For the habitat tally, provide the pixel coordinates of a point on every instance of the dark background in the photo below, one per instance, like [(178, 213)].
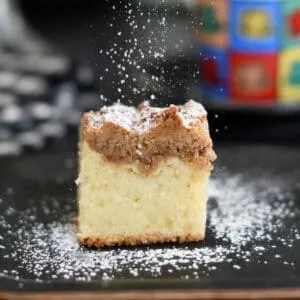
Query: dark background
[(80, 29)]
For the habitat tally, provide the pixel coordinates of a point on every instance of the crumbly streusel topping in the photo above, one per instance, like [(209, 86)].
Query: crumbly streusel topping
[(147, 135)]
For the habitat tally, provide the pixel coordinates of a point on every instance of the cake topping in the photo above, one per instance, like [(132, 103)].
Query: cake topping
[(124, 116), (145, 117), (147, 135), (190, 112)]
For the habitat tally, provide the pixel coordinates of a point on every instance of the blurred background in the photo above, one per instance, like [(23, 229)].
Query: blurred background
[(60, 58)]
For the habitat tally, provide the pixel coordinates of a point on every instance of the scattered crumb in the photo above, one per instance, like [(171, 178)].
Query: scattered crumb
[(236, 267)]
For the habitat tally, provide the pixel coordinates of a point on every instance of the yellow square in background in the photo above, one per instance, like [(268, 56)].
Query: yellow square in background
[(289, 76)]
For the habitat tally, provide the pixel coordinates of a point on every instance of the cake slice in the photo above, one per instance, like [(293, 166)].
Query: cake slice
[(143, 174)]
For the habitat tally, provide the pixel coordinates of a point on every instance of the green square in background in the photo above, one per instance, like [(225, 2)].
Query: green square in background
[(290, 30)]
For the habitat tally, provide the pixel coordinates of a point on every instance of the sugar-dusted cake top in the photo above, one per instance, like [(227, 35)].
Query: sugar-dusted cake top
[(119, 114), (145, 117), (146, 135)]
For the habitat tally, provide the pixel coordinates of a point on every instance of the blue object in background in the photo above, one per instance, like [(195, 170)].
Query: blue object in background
[(214, 66), (255, 25)]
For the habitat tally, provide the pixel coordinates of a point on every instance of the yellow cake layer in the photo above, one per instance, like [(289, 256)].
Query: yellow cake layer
[(119, 201)]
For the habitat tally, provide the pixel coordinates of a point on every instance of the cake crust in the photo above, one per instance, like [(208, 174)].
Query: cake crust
[(148, 135), (119, 240)]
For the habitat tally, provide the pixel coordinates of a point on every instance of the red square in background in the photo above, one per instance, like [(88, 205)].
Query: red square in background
[(294, 24), (209, 71), (253, 78)]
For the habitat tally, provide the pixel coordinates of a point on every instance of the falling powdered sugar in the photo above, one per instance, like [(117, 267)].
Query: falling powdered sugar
[(243, 220), (142, 40)]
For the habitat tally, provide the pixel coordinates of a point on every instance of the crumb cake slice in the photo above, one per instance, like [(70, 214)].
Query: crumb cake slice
[(143, 174)]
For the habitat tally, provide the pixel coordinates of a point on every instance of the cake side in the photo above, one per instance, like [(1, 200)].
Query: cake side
[(121, 205)]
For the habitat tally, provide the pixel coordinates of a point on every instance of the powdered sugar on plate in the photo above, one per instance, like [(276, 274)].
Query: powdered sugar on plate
[(244, 219)]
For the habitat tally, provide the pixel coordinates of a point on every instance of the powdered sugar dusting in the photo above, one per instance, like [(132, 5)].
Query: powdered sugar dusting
[(191, 111), (149, 117), (122, 115), (145, 118), (244, 219)]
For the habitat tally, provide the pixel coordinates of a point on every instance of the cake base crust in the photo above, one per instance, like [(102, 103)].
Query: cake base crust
[(98, 241)]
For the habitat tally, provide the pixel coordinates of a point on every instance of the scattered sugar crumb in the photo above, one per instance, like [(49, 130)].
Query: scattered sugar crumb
[(236, 267)]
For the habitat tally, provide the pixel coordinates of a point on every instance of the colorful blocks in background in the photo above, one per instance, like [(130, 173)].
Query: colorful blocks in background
[(290, 30), (213, 66), (255, 25), (213, 29), (289, 76), (250, 51), (253, 78)]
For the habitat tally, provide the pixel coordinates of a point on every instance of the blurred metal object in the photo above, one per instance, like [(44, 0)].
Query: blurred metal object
[(52, 130), (10, 148), (39, 85), (31, 140), (32, 86), (8, 80), (7, 99), (15, 32)]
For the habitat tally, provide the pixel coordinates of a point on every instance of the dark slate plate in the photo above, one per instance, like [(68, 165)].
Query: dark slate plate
[(267, 175)]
